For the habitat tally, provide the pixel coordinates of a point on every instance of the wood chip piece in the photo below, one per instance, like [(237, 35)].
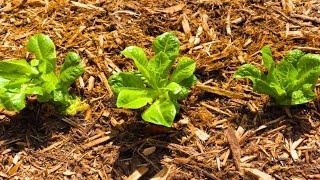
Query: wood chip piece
[(161, 175), (149, 150), (234, 146), (53, 169), (228, 24), (14, 168), (68, 173), (198, 34), (186, 26), (90, 84), (96, 142), (4, 175), (172, 9), (52, 146), (138, 173), (10, 8), (87, 6), (74, 36), (223, 92), (293, 146), (104, 79), (259, 174), (88, 114)]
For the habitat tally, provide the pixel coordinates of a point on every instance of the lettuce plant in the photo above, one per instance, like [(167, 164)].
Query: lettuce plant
[(20, 79), (152, 83), (292, 81)]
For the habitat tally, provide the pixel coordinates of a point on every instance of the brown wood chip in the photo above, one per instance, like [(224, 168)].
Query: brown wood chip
[(96, 142), (259, 174), (234, 146)]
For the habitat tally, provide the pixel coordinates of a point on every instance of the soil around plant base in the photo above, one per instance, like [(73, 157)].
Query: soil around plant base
[(224, 130)]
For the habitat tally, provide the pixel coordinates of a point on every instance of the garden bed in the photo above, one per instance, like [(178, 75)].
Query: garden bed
[(224, 130)]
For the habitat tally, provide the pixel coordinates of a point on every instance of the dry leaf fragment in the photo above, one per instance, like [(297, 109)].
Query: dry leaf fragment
[(240, 131), (293, 146), (203, 136), (218, 164), (237, 21), (53, 169), (184, 121), (247, 158), (52, 146)]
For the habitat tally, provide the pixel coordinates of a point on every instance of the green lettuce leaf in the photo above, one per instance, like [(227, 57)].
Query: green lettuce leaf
[(167, 43), (122, 80), (161, 112), (174, 88), (286, 73), (184, 70), (303, 95), (44, 49), (135, 98), (71, 69), (188, 82), (20, 66), (267, 57), (249, 71), (160, 66), (140, 59), (293, 56)]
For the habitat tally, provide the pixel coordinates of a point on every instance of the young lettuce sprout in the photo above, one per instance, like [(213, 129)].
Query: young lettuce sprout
[(152, 83), (291, 82), (20, 79)]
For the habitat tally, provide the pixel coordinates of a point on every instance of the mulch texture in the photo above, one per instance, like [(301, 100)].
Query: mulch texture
[(223, 131)]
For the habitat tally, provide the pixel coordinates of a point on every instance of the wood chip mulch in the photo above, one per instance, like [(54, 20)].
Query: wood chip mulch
[(223, 131)]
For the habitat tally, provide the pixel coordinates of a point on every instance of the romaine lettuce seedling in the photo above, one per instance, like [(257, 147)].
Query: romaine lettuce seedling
[(292, 81), (152, 83), (20, 79)]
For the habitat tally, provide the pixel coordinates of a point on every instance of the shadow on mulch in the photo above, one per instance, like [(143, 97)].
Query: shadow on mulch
[(32, 127), (137, 139), (295, 117)]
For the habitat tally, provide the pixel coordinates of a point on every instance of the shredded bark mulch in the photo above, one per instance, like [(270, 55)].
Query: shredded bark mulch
[(223, 131)]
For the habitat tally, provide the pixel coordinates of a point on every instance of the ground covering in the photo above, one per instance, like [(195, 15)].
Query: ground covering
[(224, 130)]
